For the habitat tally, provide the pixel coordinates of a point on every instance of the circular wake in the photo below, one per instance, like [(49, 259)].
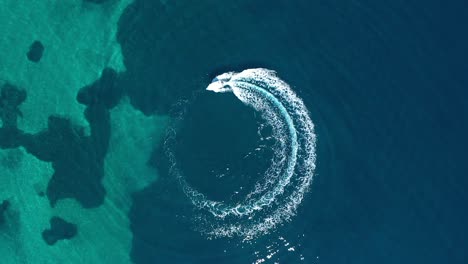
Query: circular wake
[(277, 195)]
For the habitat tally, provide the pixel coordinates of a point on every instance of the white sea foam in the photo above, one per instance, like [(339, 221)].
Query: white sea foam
[(276, 198)]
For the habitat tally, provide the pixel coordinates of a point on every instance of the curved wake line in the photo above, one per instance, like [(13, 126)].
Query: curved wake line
[(244, 91), (293, 164)]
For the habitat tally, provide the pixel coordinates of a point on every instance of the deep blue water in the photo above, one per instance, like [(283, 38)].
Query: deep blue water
[(385, 83)]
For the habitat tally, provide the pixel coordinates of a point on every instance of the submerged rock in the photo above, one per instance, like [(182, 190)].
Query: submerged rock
[(10, 99), (35, 51), (3, 207), (105, 91), (59, 230)]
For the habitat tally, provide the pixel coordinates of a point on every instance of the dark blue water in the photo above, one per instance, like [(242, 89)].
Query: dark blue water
[(385, 83)]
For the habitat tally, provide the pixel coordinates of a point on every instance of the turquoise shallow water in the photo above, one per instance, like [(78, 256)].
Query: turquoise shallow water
[(85, 130)]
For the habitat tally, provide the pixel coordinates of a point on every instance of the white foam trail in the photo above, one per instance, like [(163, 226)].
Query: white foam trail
[(293, 164)]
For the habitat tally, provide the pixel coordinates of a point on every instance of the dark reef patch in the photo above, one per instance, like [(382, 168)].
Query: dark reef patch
[(77, 163), (77, 159), (3, 208), (10, 99), (105, 91), (59, 230), (35, 51)]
